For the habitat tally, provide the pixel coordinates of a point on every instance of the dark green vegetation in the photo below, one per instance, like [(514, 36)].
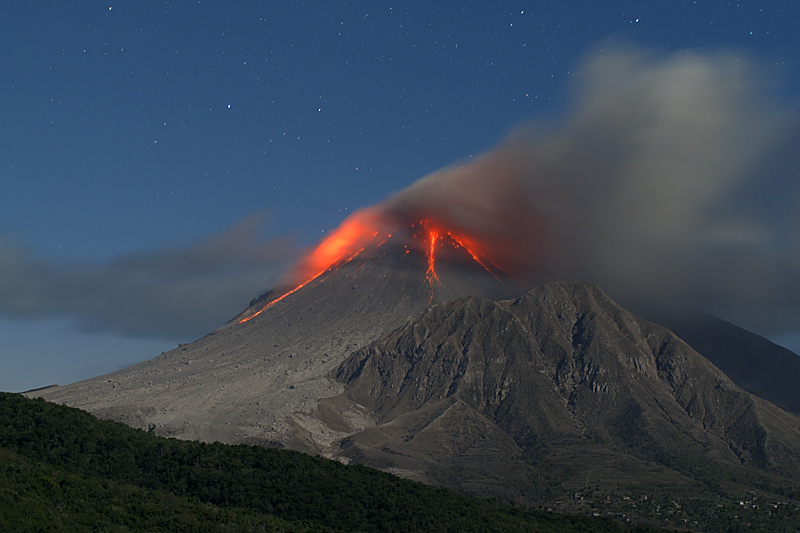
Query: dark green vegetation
[(61, 468), (38, 497)]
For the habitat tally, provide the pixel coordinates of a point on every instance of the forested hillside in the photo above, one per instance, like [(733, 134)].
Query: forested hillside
[(63, 469)]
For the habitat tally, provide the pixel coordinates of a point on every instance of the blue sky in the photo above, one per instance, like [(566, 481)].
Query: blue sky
[(153, 150)]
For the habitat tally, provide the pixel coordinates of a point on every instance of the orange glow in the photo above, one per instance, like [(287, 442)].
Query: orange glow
[(367, 227), (461, 241), (276, 300), (347, 241), (431, 274)]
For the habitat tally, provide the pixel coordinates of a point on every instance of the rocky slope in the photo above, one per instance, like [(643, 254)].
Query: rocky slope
[(260, 381), (751, 361), (490, 396), (560, 397)]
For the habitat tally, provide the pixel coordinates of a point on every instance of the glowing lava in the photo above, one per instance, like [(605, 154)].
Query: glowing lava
[(347, 241), (431, 274), (276, 300), (462, 242), (465, 243), (361, 229)]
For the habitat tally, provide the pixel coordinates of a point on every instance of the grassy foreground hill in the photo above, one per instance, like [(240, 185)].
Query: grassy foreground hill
[(63, 469)]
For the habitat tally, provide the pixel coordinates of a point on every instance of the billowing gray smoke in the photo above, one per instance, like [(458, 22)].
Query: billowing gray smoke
[(179, 292), (673, 178)]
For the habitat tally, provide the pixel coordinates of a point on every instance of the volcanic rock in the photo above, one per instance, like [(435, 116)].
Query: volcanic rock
[(486, 396), (412, 354), (259, 378), (751, 361)]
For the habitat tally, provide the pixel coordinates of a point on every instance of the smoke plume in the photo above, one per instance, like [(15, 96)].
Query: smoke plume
[(674, 178), (182, 292)]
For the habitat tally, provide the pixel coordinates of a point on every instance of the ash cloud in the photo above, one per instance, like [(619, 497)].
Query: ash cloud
[(673, 178), (180, 292)]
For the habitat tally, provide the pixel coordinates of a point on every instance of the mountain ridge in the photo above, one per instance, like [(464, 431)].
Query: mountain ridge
[(772, 376), (548, 370), (388, 358), (258, 378)]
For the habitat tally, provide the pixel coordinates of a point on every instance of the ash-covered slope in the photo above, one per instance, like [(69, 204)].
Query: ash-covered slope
[(259, 380), (487, 396), (753, 362)]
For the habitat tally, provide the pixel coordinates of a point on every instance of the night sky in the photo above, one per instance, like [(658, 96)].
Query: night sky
[(162, 162)]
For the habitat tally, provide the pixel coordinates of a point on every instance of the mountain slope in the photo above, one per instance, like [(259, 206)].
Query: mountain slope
[(61, 468), (751, 361), (489, 395), (259, 378)]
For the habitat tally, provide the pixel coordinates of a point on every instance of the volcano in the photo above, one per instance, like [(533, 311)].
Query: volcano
[(259, 378), (508, 397), (401, 345)]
